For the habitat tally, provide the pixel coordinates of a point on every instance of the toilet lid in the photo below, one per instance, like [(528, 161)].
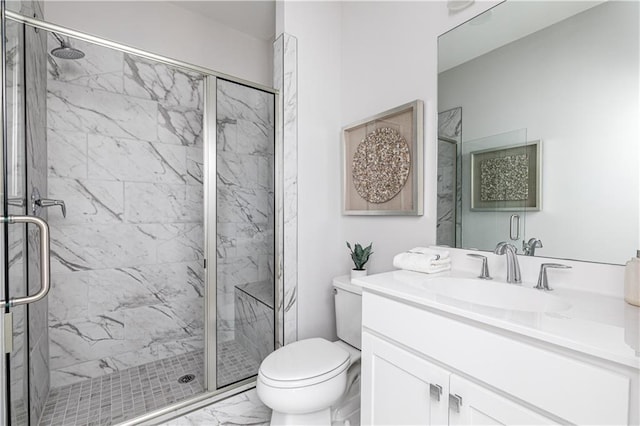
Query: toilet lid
[(304, 363)]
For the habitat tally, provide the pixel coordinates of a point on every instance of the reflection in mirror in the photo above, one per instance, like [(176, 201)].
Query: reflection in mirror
[(489, 218), (449, 138), (565, 73)]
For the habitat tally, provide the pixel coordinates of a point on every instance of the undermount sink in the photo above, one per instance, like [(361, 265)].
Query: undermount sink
[(497, 295)]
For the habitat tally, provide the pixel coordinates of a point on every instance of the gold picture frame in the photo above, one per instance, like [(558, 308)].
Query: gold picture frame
[(383, 163)]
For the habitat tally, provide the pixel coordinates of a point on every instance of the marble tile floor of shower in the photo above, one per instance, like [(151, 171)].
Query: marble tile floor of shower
[(129, 393)]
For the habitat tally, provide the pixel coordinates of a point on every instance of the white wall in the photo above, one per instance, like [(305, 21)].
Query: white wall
[(169, 30), (321, 251), (575, 86), (357, 59)]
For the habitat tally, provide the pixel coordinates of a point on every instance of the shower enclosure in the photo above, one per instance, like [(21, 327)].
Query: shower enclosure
[(158, 182)]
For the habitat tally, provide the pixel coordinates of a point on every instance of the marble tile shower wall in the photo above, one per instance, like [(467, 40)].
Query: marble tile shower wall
[(126, 155), (245, 205)]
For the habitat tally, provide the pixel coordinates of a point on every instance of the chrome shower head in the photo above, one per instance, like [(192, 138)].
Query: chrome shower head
[(65, 51)]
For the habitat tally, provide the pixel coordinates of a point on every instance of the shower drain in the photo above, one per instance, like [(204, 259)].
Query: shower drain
[(186, 378)]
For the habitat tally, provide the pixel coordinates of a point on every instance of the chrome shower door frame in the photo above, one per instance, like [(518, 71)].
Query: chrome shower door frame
[(3, 121)]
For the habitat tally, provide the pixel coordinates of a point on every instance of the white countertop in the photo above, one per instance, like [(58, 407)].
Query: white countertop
[(599, 325)]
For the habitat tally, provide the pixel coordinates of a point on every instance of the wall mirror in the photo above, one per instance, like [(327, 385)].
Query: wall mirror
[(559, 75)]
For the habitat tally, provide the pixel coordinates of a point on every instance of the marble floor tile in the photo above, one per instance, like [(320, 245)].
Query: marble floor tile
[(234, 363), (140, 388), (241, 409), (125, 394)]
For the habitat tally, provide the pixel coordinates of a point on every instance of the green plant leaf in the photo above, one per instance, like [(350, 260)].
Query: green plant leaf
[(359, 255)]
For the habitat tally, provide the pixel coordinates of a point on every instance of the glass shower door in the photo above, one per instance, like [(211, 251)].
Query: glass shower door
[(14, 200), (112, 143), (125, 153), (24, 171), (108, 144), (245, 230)]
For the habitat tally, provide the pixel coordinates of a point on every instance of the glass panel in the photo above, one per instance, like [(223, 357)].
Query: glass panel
[(16, 199), (489, 180), (35, 55), (245, 230), (126, 309)]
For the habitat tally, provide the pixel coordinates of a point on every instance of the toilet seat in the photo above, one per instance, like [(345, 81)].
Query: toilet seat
[(303, 363)]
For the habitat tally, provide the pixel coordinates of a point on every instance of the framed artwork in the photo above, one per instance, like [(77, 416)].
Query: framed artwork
[(506, 178), (383, 163)]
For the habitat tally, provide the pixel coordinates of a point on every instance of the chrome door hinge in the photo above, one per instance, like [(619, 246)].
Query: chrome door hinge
[(8, 332)]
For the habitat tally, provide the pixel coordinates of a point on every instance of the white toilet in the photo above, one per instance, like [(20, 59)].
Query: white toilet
[(301, 381)]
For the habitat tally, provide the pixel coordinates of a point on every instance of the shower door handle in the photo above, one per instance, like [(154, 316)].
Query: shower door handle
[(44, 260)]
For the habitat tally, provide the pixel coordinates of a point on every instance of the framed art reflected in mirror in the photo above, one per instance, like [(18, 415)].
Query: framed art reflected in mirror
[(506, 179)]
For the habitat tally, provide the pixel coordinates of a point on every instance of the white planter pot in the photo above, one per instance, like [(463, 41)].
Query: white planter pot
[(358, 273)]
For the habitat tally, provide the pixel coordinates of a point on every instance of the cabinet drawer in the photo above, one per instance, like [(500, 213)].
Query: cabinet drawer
[(573, 390)]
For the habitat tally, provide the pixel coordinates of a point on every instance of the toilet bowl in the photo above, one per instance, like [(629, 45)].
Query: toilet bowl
[(301, 381)]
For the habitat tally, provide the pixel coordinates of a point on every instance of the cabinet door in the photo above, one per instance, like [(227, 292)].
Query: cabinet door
[(472, 404), (400, 388)]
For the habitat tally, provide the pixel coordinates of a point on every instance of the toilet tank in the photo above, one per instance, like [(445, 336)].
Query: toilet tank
[(348, 299)]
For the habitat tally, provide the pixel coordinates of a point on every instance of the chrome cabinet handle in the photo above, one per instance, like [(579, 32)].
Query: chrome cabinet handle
[(435, 391), (484, 272), (44, 260), (455, 401)]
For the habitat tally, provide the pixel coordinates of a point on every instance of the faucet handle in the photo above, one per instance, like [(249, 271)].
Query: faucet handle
[(543, 281), (484, 272), (529, 247), (46, 202)]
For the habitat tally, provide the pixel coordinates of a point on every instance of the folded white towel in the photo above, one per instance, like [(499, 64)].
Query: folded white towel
[(431, 252), (425, 260)]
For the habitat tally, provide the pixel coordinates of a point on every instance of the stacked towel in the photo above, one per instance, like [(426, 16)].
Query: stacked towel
[(423, 259)]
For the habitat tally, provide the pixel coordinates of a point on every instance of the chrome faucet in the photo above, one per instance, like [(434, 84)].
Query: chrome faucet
[(530, 246), (513, 268)]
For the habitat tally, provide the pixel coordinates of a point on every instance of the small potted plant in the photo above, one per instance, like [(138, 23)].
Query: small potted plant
[(360, 257)]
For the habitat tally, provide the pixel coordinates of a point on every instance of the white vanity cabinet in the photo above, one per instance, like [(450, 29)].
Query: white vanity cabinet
[(400, 388), (487, 375)]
